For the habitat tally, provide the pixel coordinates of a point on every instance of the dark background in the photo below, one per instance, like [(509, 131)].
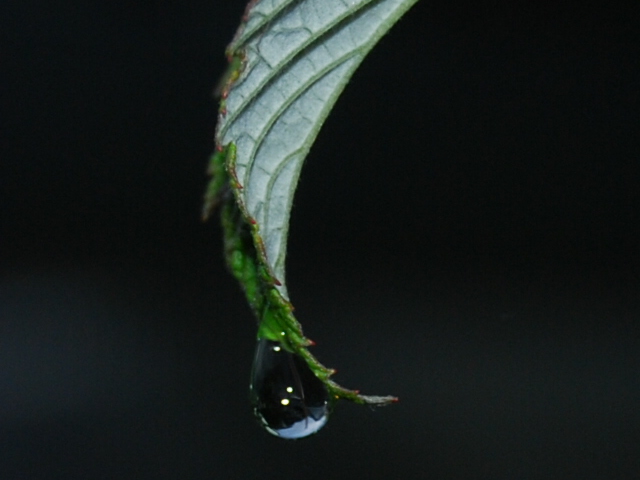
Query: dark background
[(465, 236)]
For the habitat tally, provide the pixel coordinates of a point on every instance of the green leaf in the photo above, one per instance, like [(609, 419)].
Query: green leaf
[(289, 62)]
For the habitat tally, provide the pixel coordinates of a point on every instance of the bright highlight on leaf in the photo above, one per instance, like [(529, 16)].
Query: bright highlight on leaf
[(289, 62)]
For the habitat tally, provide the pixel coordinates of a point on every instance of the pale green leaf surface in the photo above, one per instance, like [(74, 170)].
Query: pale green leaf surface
[(298, 56)]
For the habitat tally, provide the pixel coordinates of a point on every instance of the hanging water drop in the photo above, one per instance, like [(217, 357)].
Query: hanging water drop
[(288, 399)]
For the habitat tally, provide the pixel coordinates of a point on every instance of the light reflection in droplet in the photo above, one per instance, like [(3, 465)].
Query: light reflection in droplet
[(288, 398)]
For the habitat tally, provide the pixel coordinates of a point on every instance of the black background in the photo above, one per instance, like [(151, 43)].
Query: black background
[(464, 236)]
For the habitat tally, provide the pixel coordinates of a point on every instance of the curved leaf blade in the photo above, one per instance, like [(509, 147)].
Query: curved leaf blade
[(289, 62), (298, 56)]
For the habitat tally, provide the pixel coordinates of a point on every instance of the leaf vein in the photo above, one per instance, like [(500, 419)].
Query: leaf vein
[(332, 28)]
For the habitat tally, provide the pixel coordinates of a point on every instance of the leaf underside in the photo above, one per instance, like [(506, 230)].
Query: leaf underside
[(289, 62)]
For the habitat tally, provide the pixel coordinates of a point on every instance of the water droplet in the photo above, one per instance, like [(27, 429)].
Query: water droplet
[(289, 400)]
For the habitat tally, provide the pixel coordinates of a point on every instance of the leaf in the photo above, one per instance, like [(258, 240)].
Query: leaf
[(289, 62)]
